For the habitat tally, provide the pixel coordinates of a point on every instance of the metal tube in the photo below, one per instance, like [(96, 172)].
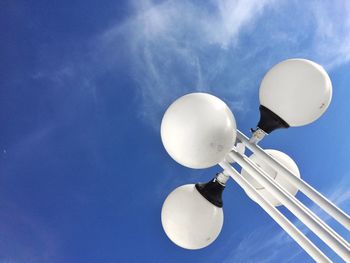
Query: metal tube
[(333, 240), (286, 225), (304, 187)]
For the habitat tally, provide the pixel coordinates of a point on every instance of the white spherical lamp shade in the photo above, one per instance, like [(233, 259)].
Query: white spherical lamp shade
[(279, 178), (298, 90), (189, 220), (198, 130)]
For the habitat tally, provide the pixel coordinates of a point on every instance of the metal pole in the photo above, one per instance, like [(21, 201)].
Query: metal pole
[(339, 245), (286, 225), (305, 188)]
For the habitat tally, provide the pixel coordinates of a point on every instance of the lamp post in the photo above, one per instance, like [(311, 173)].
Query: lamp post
[(199, 131)]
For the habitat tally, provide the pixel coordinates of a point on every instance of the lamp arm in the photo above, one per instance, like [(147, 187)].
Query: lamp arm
[(305, 215), (285, 224), (300, 184)]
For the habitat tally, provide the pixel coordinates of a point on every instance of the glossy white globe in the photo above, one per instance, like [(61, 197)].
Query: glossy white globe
[(279, 178), (198, 130), (298, 90), (189, 220)]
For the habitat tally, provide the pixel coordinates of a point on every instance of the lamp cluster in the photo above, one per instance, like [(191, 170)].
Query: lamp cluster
[(199, 130)]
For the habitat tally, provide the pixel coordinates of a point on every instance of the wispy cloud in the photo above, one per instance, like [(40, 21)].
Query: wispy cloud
[(222, 47), (178, 47), (332, 23), (225, 47), (255, 247)]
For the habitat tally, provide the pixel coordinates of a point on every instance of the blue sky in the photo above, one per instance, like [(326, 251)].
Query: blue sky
[(83, 87)]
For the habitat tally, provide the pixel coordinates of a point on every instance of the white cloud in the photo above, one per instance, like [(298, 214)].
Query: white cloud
[(222, 47), (332, 23), (234, 15), (178, 47), (255, 247)]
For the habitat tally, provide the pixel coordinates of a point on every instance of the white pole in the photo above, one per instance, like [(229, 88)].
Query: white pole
[(295, 233), (339, 245), (305, 188)]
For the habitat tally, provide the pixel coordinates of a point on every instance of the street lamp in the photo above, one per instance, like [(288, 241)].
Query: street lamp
[(275, 175), (199, 131)]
